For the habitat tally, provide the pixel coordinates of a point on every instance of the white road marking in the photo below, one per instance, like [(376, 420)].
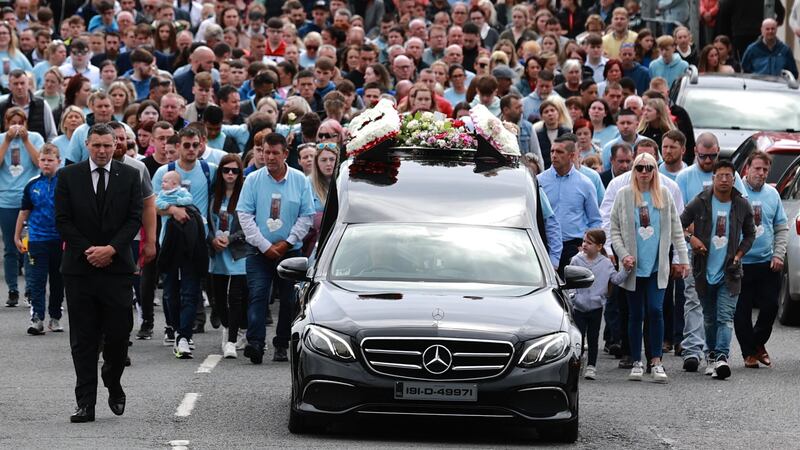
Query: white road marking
[(187, 405), (209, 364), (179, 444)]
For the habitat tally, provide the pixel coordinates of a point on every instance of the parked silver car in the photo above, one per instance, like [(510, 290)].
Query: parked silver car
[(789, 187)]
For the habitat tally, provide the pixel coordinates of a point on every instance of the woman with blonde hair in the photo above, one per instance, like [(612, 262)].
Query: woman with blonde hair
[(518, 32), (644, 224), (507, 47), (52, 89), (121, 97), (9, 49), (656, 120), (498, 58)]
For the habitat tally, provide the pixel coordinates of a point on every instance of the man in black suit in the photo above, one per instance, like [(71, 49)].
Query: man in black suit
[(98, 213)]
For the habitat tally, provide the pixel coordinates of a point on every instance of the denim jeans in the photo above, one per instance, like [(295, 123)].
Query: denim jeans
[(719, 307), (649, 299), (181, 294), (45, 260), (694, 336), (589, 324), (262, 275), (760, 286), (8, 221)]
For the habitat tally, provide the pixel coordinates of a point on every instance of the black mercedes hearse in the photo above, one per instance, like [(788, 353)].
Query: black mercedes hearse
[(431, 294)]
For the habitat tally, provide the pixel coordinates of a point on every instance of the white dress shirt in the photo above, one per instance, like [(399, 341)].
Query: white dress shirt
[(95, 175)]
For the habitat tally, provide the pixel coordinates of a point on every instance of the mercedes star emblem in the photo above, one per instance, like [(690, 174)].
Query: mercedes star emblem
[(437, 314), (437, 359)]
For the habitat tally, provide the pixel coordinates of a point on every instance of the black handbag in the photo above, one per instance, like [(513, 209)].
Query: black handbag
[(239, 247)]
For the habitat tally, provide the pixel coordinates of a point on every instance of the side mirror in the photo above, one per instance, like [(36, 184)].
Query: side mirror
[(294, 269), (575, 277)]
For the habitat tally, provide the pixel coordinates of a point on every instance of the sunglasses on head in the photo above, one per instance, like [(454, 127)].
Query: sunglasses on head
[(233, 170), (328, 135), (645, 168), (327, 146)]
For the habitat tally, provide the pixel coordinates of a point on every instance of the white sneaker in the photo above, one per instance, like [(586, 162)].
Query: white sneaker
[(55, 326), (191, 344), (590, 373), (241, 340), (659, 374), (721, 370), (229, 350), (637, 372), (709, 367), (182, 350)]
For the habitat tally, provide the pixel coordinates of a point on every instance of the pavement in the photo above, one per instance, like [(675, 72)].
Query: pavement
[(207, 403)]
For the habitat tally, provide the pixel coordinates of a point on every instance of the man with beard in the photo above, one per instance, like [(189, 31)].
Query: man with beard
[(201, 60)]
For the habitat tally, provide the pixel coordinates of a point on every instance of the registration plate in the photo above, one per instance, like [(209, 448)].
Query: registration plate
[(445, 392)]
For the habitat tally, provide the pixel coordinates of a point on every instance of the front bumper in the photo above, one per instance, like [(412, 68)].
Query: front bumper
[(322, 386)]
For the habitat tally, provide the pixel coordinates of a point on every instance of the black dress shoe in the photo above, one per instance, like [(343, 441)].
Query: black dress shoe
[(82, 414), (117, 404), (280, 354)]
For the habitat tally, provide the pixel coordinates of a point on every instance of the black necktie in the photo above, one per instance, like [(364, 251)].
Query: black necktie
[(100, 195)]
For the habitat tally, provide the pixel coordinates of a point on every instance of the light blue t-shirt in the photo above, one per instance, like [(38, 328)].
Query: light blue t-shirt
[(39, 70), (604, 136), (692, 180), (16, 169), (194, 181), (663, 169), (223, 263), (62, 142), (18, 61), (606, 155), (767, 212), (594, 177), (718, 248), (77, 150), (454, 97), (648, 232), (276, 205)]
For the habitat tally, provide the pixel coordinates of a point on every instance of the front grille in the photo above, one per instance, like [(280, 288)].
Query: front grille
[(417, 358)]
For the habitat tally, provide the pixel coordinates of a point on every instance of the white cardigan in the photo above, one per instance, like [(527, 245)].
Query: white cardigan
[(623, 234)]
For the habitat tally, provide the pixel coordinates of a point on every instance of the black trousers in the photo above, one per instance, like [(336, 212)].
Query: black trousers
[(570, 249), (231, 298), (147, 290), (760, 287), (99, 308)]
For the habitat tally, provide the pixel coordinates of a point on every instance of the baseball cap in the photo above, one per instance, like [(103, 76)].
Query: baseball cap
[(503, 71), (320, 4)]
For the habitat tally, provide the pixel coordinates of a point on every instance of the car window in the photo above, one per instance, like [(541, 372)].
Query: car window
[(780, 162), (436, 253), (739, 157), (787, 186), (741, 109)]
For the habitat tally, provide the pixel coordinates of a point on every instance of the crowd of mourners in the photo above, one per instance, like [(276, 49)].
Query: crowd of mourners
[(234, 113)]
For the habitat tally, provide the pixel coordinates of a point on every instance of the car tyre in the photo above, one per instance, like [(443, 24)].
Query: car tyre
[(789, 313), (564, 433)]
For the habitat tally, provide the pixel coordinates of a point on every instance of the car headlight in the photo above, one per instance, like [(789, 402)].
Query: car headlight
[(545, 350), (329, 343)]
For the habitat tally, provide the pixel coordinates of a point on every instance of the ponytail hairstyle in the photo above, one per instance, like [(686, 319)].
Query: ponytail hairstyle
[(597, 236)]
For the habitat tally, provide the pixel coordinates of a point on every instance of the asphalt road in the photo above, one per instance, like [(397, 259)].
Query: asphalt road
[(239, 405)]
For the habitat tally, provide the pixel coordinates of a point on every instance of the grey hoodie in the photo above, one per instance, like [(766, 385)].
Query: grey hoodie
[(594, 297)]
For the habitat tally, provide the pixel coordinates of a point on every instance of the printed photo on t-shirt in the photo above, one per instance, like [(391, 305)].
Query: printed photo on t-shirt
[(720, 240), (757, 215), (274, 222), (645, 230)]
